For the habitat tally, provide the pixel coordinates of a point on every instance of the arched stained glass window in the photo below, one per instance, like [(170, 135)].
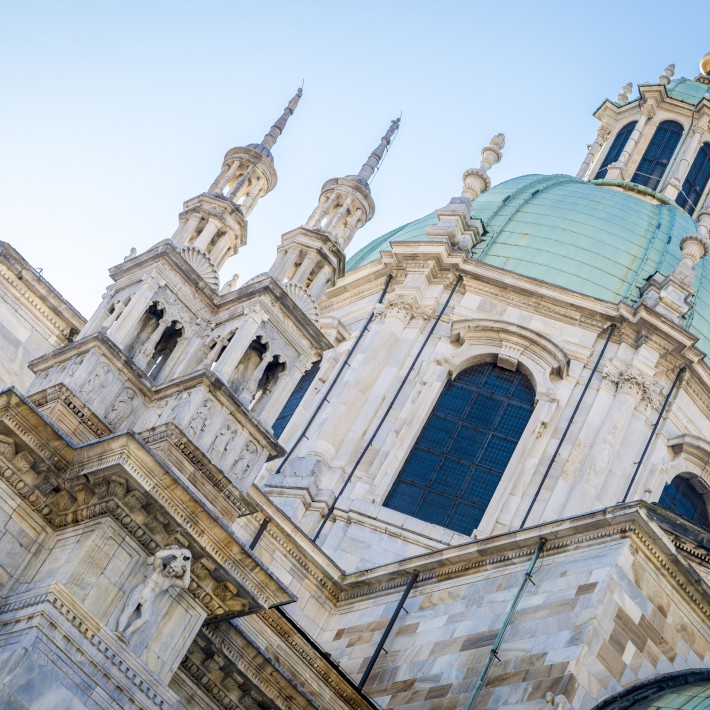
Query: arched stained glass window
[(459, 457), (658, 154), (295, 399), (616, 149), (681, 497), (696, 181)]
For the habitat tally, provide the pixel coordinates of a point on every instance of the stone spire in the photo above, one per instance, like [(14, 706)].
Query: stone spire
[(671, 295), (476, 180), (213, 225), (623, 95), (667, 75), (370, 165), (269, 140), (311, 257), (455, 221)]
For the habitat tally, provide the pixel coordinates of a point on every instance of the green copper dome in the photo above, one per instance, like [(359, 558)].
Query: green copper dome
[(589, 238)]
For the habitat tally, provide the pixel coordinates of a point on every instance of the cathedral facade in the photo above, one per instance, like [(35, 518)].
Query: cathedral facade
[(467, 467)]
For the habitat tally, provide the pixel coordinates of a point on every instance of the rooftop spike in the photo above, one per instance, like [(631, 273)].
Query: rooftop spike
[(269, 140), (370, 165)]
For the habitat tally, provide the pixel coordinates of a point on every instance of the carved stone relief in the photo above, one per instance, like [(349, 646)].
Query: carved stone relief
[(121, 408), (99, 380)]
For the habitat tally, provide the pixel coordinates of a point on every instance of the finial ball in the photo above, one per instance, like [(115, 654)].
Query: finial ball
[(705, 64)]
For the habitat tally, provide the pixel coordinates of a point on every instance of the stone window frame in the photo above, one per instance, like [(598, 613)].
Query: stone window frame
[(691, 460), (474, 342)]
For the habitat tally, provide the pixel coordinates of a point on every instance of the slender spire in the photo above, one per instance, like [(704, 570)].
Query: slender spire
[(370, 165), (277, 129)]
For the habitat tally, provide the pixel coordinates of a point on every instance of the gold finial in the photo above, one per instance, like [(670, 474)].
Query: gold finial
[(705, 64)]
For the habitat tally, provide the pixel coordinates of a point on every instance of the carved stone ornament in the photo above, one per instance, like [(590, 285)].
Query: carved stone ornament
[(167, 568), (403, 306), (632, 382)]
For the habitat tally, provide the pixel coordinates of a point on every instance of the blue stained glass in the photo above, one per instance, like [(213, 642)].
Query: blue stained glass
[(696, 181), (452, 476), (456, 463), (485, 410), (466, 443), (615, 150), (294, 400), (658, 154), (680, 496), (436, 433), (403, 495)]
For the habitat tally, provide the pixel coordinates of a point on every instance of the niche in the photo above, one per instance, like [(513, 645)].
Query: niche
[(267, 382), (163, 349), (147, 325), (247, 367)]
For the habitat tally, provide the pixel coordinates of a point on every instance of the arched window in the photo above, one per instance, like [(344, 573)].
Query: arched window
[(616, 149), (696, 181), (658, 154), (295, 399), (459, 457), (680, 496)]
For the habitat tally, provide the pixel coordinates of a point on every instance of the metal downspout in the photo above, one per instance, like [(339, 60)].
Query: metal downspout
[(569, 424), (331, 508), (324, 399), (506, 622)]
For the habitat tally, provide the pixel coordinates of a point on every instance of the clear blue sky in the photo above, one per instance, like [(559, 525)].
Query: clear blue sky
[(114, 113)]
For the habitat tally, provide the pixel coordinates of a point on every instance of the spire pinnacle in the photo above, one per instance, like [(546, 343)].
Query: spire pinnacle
[(370, 165), (277, 129), (476, 180)]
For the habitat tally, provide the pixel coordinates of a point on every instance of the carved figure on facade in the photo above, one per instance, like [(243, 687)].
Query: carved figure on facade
[(121, 408), (99, 380), (167, 568), (547, 405), (202, 418), (75, 365), (245, 461), (224, 438)]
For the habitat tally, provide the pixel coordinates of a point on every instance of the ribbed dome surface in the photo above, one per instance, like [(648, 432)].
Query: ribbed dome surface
[(592, 239)]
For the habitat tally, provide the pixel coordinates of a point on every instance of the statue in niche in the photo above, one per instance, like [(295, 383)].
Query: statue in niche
[(121, 408), (244, 461), (167, 568), (201, 420), (100, 379)]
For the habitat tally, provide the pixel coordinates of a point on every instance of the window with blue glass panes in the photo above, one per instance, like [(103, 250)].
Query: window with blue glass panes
[(617, 146), (681, 497), (461, 453), (696, 181), (295, 399), (658, 155)]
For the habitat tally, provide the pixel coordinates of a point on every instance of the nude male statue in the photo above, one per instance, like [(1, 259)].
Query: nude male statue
[(168, 568)]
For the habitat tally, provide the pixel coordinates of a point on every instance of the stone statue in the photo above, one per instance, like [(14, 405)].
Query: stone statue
[(245, 460), (121, 408), (167, 568)]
